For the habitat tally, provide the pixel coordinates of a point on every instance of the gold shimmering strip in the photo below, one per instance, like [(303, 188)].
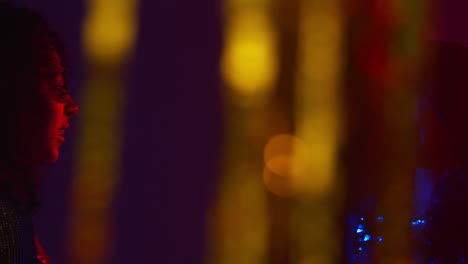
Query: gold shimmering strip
[(109, 32), (249, 61), (315, 227), (238, 223)]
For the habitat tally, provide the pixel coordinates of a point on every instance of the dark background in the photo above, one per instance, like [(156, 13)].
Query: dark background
[(173, 128), (172, 133)]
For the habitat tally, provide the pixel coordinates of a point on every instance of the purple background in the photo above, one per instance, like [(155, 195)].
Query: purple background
[(172, 133), (173, 128)]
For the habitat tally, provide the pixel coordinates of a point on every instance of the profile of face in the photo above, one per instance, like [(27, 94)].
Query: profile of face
[(46, 114)]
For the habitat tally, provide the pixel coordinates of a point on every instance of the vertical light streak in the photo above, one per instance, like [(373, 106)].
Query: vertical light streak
[(318, 123), (249, 63), (239, 224), (406, 32), (108, 36)]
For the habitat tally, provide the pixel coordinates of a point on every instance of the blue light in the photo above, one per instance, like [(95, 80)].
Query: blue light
[(417, 222), (364, 238)]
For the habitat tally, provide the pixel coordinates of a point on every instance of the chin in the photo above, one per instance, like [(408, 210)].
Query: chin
[(51, 161), (46, 154), (51, 158), (45, 158)]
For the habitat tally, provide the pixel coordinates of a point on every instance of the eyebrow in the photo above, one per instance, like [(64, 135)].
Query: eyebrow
[(58, 69), (52, 71)]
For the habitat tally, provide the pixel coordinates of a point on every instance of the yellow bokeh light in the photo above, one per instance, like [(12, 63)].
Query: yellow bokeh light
[(318, 84), (109, 29), (249, 63), (282, 144), (109, 32), (280, 176), (299, 166), (318, 123), (285, 158)]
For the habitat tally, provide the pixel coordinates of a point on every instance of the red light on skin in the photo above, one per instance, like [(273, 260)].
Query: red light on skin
[(41, 255), (61, 140)]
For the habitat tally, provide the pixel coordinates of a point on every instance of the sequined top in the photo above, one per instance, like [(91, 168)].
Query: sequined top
[(18, 244)]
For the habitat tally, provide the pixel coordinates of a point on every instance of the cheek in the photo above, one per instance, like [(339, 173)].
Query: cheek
[(44, 117), (51, 122), (55, 115), (39, 141)]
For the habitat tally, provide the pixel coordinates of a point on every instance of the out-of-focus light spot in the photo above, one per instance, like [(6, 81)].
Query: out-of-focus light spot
[(108, 35), (380, 219), (316, 122), (367, 237), (362, 218), (280, 180), (359, 230), (284, 145), (380, 239), (249, 62), (289, 157), (360, 226), (418, 222), (284, 157), (360, 248), (318, 96), (109, 29), (243, 222)]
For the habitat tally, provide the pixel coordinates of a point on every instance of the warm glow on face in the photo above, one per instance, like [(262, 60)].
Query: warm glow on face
[(249, 61)]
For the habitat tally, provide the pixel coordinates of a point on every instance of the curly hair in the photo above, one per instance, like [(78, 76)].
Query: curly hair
[(24, 50)]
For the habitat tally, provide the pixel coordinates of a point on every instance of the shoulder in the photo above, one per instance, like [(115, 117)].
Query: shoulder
[(16, 234)]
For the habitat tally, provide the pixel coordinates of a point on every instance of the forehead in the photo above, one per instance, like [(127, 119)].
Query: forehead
[(47, 60), (50, 69)]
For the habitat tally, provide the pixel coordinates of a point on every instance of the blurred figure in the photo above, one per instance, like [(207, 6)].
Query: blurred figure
[(35, 108), (444, 121)]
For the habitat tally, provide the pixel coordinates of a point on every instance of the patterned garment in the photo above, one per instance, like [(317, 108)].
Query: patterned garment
[(18, 244)]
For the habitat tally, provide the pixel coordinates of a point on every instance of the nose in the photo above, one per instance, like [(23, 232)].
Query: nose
[(71, 109)]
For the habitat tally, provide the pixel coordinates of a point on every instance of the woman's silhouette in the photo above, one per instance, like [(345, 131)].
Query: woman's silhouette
[(35, 108)]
